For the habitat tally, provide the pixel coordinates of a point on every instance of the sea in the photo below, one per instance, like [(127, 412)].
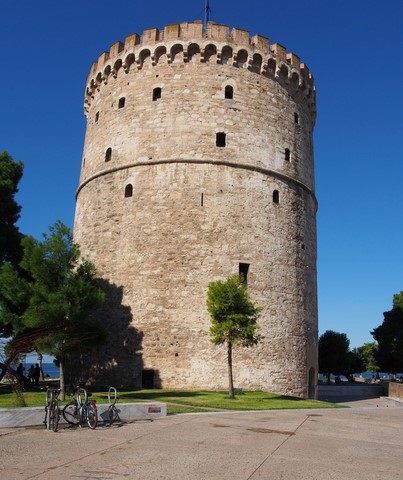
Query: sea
[(367, 376), (50, 370)]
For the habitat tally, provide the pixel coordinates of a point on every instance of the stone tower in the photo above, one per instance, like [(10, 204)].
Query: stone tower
[(198, 164)]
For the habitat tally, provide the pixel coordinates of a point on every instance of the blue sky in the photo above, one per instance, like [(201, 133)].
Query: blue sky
[(352, 47)]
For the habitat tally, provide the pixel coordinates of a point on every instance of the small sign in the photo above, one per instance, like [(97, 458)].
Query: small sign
[(154, 409)]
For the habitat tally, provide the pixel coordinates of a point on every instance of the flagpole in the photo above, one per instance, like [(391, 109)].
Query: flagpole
[(206, 13)]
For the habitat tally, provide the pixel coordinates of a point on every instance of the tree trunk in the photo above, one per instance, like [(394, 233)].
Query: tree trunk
[(62, 386), (230, 378), (39, 360)]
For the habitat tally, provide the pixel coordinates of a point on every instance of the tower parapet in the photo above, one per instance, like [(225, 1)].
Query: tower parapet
[(217, 44)]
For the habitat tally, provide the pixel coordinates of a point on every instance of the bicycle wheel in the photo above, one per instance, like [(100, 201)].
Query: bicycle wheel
[(113, 414), (47, 407), (82, 415), (92, 415), (54, 416), (48, 396), (71, 413), (45, 420)]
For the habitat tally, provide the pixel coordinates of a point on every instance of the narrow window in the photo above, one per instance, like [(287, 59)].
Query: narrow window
[(296, 118), (220, 139), (243, 270), (122, 102), (229, 92), (108, 155), (276, 196), (287, 154), (202, 200), (96, 117), (83, 162), (128, 190), (156, 94)]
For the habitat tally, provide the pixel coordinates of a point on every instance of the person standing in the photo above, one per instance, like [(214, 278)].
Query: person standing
[(36, 374), (31, 374), (20, 373)]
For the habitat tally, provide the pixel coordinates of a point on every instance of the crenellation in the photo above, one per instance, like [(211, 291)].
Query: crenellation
[(131, 41), (260, 42), (218, 32), (182, 41), (304, 72), (93, 70), (103, 58), (279, 51), (189, 31), (241, 37), (171, 32), (116, 48), (293, 60), (151, 35)]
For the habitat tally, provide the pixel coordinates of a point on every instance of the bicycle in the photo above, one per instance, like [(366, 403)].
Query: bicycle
[(113, 413), (52, 412), (80, 410)]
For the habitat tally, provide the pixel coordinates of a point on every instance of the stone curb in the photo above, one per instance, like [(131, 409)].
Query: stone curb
[(33, 416)]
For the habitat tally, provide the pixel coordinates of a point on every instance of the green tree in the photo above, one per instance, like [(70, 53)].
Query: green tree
[(389, 337), (334, 354), (233, 316), (368, 353), (53, 300), (356, 365), (10, 175), (10, 237)]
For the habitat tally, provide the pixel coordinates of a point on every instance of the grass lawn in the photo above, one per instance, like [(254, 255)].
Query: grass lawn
[(179, 401)]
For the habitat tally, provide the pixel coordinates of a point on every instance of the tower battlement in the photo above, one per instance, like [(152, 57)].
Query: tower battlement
[(189, 41)]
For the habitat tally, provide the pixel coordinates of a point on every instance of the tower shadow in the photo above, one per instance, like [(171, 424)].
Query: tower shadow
[(118, 362)]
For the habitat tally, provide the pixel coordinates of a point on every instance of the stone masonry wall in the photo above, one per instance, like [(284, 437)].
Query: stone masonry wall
[(395, 390), (162, 210)]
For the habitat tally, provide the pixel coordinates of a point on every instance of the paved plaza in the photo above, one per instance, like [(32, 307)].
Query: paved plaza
[(362, 442)]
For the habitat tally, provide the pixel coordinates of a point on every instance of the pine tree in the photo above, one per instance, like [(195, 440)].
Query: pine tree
[(233, 316)]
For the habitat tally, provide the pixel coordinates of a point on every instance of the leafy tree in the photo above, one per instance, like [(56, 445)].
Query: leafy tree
[(367, 354), (10, 175), (52, 302), (398, 300), (334, 354), (389, 336), (356, 365), (233, 317), (10, 237)]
